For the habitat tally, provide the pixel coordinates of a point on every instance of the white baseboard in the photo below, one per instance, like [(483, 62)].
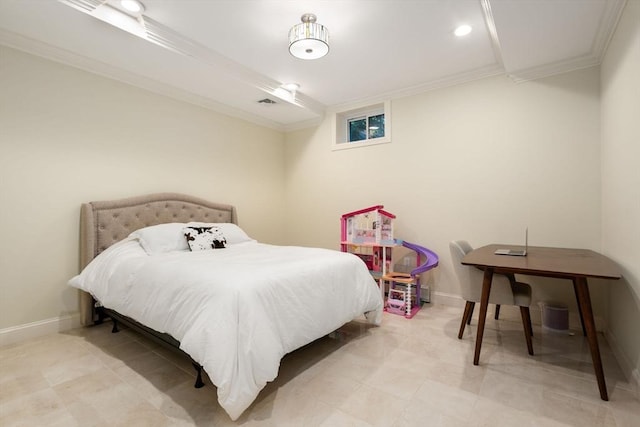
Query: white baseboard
[(631, 372), (16, 334), (513, 313), (451, 300)]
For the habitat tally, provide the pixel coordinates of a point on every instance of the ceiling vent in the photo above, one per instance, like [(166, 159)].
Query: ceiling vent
[(266, 101)]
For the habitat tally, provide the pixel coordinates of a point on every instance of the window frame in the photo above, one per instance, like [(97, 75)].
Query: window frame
[(342, 119)]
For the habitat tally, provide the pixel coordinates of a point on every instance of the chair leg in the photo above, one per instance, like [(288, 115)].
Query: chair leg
[(473, 305), (468, 310), (497, 316), (526, 323)]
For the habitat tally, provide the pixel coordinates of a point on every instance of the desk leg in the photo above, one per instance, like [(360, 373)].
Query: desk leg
[(586, 312), (484, 303), (575, 288)]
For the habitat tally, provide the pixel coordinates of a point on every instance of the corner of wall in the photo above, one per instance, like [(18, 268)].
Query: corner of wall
[(632, 373)]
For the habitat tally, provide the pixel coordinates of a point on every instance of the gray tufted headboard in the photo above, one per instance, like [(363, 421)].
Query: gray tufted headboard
[(104, 223)]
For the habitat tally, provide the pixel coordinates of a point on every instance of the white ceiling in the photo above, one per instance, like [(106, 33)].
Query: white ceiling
[(229, 54)]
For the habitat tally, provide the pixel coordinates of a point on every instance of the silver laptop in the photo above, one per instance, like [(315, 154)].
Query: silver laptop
[(514, 252)]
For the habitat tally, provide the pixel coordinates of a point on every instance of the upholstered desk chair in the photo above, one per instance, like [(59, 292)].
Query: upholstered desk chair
[(504, 290)]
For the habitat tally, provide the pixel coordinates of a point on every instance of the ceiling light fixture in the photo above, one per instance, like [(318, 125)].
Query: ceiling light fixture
[(308, 40), (133, 6), (113, 12), (462, 30)]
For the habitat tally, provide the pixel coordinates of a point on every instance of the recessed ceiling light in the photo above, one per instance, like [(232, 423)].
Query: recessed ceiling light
[(462, 30), (133, 6)]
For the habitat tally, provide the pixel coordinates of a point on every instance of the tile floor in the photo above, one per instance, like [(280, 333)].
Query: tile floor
[(404, 373)]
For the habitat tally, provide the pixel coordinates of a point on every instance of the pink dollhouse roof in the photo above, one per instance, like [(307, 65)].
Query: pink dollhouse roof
[(372, 208)]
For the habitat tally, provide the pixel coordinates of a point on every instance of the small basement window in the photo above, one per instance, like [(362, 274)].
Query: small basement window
[(361, 127)]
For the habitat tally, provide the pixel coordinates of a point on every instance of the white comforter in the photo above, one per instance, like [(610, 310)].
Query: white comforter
[(237, 311)]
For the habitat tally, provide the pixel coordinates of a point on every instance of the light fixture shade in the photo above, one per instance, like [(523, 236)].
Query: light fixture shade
[(308, 40)]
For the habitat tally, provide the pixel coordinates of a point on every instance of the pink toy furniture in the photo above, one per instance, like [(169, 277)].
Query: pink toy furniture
[(368, 233), (404, 289), (371, 225)]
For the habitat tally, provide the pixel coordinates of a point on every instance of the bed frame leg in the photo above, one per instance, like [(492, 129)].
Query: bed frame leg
[(199, 383), (115, 326), (99, 318)]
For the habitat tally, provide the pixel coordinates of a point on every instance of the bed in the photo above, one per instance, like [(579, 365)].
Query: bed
[(236, 308)]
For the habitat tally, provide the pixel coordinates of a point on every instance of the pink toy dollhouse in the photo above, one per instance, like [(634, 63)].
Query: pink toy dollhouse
[(368, 233), (371, 225)]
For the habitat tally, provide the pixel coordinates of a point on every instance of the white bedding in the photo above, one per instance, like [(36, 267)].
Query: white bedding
[(237, 311)]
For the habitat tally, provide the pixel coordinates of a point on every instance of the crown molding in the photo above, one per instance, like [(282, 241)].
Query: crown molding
[(171, 40), (608, 24), (93, 66), (451, 80), (491, 29), (559, 67), (606, 29)]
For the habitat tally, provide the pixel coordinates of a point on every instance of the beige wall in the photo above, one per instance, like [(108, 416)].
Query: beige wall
[(67, 137), (479, 161), (621, 183)]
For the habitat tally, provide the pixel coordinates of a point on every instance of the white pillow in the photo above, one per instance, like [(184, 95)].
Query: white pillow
[(161, 238), (232, 233)]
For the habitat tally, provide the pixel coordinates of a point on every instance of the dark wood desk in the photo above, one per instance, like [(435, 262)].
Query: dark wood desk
[(574, 264)]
